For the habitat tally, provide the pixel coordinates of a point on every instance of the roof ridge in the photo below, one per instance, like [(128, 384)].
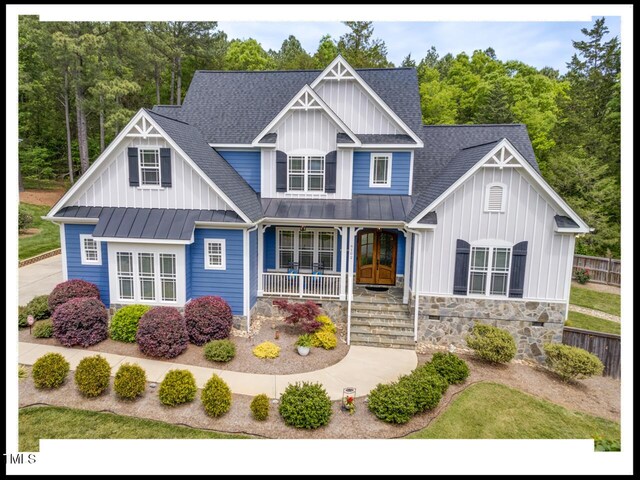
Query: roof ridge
[(482, 144), (313, 70), (477, 125), (162, 105), (168, 118)]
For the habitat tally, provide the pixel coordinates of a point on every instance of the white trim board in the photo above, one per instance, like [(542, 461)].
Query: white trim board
[(535, 176)]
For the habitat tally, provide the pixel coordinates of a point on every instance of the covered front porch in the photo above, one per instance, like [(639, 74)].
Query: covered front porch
[(317, 261)]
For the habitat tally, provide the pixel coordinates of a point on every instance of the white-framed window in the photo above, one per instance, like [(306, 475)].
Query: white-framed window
[(215, 254), (495, 197), (380, 170), (90, 250), (149, 162), (147, 274), (306, 247), (489, 271), (305, 173)]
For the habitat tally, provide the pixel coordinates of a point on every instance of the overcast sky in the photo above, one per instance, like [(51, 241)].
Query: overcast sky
[(536, 43)]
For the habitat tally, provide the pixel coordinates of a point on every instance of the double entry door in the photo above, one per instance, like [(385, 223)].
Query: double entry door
[(376, 257)]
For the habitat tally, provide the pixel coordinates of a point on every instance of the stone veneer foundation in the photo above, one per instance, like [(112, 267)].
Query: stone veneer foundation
[(447, 320), (336, 310)]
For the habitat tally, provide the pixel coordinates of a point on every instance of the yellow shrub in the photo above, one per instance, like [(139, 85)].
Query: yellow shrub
[(324, 339), (327, 324), (267, 350)]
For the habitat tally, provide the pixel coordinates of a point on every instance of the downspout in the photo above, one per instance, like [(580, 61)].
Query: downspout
[(417, 247), (247, 274)]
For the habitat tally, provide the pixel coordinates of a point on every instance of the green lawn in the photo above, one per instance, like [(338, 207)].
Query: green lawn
[(605, 302), (490, 410), (60, 423), (42, 184), (47, 239), (580, 320)]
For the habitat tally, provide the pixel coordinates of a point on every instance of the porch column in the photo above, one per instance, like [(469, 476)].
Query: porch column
[(344, 231), (260, 268), (407, 265)]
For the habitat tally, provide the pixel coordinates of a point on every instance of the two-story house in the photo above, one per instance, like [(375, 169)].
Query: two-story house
[(325, 185)]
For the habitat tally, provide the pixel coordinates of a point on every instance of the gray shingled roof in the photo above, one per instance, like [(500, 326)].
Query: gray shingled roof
[(361, 207), (385, 139), (565, 222), (233, 107), (212, 164), (149, 223), (430, 218), (343, 138), (171, 111), (269, 138), (441, 162)]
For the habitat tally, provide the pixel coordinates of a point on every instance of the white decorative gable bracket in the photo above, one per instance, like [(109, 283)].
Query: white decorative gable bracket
[(306, 102), (502, 159), (144, 130), (339, 72)]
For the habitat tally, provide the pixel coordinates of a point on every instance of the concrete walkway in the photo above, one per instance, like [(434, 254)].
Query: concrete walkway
[(39, 278), (362, 368), (594, 313)]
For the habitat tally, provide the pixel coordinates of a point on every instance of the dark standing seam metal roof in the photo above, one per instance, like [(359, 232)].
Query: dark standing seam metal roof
[(150, 223), (565, 222), (361, 207), (437, 166), (234, 107), (212, 164)]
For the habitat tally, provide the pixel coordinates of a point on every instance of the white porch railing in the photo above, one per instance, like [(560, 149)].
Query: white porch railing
[(301, 285)]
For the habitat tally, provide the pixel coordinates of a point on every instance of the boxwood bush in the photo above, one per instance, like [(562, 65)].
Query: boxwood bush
[(219, 350), (208, 318), (260, 407), (43, 329), (130, 381), (451, 367), (216, 397), (38, 307), (80, 321), (492, 343), (178, 386), (124, 324), (392, 403), (429, 369), (22, 316), (162, 332), (426, 388), (50, 371), (572, 362), (92, 375), (65, 291), (305, 405)]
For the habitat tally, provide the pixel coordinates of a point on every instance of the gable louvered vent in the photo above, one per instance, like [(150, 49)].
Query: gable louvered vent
[(495, 198)]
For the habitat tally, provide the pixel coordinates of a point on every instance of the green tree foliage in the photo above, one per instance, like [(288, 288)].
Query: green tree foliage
[(360, 49), (292, 56), (327, 51), (247, 55)]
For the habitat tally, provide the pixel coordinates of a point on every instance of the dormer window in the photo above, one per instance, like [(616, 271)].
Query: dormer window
[(150, 166), (305, 173), (495, 197)]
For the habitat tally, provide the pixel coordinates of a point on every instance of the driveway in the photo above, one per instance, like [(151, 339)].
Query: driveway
[(39, 278)]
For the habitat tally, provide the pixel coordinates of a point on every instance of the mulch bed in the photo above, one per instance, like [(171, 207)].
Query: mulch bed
[(288, 362)]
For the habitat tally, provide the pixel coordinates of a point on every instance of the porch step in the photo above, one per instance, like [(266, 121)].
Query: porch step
[(370, 307), (381, 315), (389, 341), (374, 322), (377, 299), (383, 330)]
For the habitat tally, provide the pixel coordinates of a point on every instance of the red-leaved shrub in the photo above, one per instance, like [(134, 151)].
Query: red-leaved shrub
[(65, 291), (162, 332), (300, 313), (80, 321), (208, 318)]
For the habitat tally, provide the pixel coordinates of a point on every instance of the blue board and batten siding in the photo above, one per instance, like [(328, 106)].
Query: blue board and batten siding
[(227, 283), (98, 274), (253, 268), (247, 164), (400, 174)]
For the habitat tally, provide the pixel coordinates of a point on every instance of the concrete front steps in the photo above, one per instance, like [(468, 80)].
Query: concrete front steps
[(386, 324)]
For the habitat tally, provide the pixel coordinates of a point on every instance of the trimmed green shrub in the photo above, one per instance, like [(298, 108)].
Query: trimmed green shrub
[(25, 219), (452, 368), (75, 288), (572, 362), (216, 397), (492, 343), (426, 389), (305, 405), (260, 407), (220, 350), (430, 370), (22, 317), (22, 372), (92, 375), (43, 329), (325, 339), (38, 307), (392, 403), (124, 324), (178, 386), (130, 381), (80, 321), (162, 332), (208, 318), (50, 371)]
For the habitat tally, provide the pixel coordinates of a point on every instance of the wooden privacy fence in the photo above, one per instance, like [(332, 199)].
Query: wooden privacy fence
[(601, 269), (606, 346)]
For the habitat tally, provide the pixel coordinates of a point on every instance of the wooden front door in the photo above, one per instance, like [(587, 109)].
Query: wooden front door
[(376, 259)]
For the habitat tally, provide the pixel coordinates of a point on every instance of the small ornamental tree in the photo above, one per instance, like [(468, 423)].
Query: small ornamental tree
[(80, 321), (65, 291), (303, 314), (208, 318), (162, 332)]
